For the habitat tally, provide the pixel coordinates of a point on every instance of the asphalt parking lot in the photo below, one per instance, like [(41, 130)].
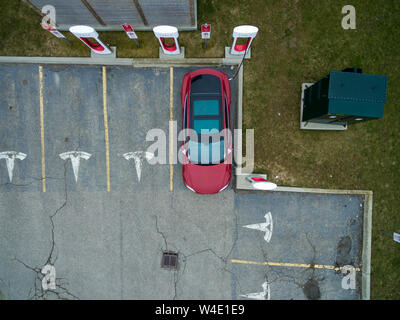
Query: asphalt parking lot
[(103, 221), (310, 234)]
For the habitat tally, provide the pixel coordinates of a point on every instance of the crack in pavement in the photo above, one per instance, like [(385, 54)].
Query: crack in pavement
[(53, 243), (61, 292), (178, 274), (175, 272), (162, 234), (28, 183), (308, 285)]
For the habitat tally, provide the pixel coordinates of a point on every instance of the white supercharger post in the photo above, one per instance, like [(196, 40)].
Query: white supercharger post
[(260, 183), (167, 32), (243, 32), (90, 37)]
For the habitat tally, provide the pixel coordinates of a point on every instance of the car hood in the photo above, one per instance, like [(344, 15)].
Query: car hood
[(207, 179)]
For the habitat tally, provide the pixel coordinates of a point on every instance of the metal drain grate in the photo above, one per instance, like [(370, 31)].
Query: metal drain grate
[(169, 260)]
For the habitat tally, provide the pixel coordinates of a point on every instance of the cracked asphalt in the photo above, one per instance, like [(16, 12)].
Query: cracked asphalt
[(313, 230), (108, 244)]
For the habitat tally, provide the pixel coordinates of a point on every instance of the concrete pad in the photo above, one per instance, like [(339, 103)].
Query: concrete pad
[(113, 54), (162, 55), (307, 125), (243, 184), (239, 57)]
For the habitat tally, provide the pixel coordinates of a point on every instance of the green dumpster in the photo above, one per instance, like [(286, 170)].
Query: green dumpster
[(345, 97)]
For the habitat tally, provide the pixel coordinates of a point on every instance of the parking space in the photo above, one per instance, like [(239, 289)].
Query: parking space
[(306, 240), (19, 96), (85, 199), (138, 101), (178, 74), (73, 122)]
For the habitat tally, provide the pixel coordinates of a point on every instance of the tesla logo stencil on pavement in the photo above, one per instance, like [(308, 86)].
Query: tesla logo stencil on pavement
[(10, 156), (264, 295), (266, 226), (138, 156), (75, 157)]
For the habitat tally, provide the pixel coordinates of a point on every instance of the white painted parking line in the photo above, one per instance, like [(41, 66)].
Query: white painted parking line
[(266, 227), (10, 156), (264, 295), (137, 156), (75, 157)]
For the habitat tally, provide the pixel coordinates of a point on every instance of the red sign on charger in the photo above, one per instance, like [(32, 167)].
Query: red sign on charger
[(205, 31), (129, 31), (52, 29)]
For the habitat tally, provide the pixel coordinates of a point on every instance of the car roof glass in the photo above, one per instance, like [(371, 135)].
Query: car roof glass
[(203, 107), (206, 126)]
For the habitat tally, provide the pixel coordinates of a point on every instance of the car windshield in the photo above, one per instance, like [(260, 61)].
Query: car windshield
[(206, 153)]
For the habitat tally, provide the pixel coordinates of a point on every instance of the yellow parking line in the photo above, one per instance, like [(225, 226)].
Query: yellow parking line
[(295, 265), (171, 136), (106, 127), (41, 103)]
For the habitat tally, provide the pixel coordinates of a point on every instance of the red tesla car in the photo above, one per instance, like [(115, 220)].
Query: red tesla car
[(207, 148)]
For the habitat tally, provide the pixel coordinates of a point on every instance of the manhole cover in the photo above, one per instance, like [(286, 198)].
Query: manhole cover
[(169, 260)]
